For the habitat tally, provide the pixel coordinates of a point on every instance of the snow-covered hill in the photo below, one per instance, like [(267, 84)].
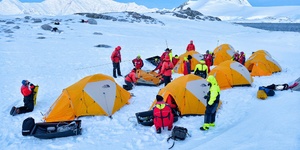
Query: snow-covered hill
[(66, 7), (226, 10), (56, 60), (242, 11)]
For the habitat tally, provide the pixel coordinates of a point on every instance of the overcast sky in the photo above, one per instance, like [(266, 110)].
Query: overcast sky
[(174, 3)]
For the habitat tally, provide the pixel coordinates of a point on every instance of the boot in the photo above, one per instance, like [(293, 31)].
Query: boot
[(158, 131), (212, 125), (205, 127)]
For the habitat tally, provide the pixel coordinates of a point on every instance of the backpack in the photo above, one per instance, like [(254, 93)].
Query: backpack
[(27, 126), (178, 133)]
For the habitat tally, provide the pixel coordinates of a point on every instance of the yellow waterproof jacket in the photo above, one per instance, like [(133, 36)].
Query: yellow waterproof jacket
[(214, 90)]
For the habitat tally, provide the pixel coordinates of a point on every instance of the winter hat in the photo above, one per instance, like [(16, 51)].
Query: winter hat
[(24, 82), (118, 48), (159, 98)]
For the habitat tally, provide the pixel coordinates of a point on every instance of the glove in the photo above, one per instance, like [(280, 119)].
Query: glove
[(205, 97), (210, 102)]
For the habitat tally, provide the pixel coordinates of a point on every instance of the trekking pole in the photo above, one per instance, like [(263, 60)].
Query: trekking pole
[(167, 44)]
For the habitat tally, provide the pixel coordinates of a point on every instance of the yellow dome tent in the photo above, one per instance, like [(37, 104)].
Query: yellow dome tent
[(93, 95), (188, 92), (231, 73), (261, 63), (196, 57), (222, 53)]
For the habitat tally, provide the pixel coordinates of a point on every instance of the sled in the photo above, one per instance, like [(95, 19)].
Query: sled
[(146, 118), (49, 130), (148, 78), (35, 92), (154, 60)]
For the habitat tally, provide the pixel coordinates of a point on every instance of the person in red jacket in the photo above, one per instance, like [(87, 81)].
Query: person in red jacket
[(163, 116), (208, 58), (116, 60), (236, 56), (164, 54), (138, 62), (191, 46), (175, 60), (27, 91), (166, 70), (130, 79), (242, 58)]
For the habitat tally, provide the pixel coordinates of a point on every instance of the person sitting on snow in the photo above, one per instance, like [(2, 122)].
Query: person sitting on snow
[(163, 116)]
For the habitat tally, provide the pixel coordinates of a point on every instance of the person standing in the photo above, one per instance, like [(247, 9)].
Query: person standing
[(131, 79), (242, 58), (27, 90), (138, 62), (201, 69), (166, 70), (191, 46), (116, 60), (208, 59), (213, 98), (236, 56), (163, 116)]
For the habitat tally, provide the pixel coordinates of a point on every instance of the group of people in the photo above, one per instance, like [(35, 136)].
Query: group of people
[(239, 57), (164, 111)]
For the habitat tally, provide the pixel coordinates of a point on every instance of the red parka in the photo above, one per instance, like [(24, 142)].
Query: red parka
[(167, 67), (163, 116), (131, 77), (26, 90), (242, 58), (116, 55), (190, 47), (138, 63)]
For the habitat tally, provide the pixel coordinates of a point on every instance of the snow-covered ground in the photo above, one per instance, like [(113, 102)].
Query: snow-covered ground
[(55, 61)]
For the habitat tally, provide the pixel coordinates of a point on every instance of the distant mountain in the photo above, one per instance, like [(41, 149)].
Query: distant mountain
[(226, 10), (242, 11), (67, 7)]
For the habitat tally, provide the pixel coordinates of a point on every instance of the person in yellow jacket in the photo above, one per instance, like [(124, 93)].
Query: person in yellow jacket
[(201, 69), (213, 99)]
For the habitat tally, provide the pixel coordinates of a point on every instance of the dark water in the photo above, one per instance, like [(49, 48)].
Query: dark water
[(290, 27)]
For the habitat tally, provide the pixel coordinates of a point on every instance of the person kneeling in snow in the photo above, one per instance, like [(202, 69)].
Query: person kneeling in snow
[(130, 80), (163, 116), (27, 91)]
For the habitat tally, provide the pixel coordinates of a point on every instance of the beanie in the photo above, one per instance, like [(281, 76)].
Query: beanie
[(24, 82), (159, 98)]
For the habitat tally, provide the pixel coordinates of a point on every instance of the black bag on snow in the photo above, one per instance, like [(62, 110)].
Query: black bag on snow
[(27, 126), (178, 133)]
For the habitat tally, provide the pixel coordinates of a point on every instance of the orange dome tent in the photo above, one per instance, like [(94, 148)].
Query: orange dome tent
[(222, 53), (261, 63), (188, 92), (231, 73), (93, 95), (196, 57)]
